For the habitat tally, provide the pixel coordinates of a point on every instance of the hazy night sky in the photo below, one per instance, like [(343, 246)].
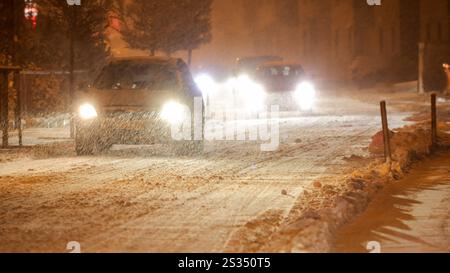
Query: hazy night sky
[(240, 28)]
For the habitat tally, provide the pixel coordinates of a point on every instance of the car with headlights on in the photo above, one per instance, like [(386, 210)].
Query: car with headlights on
[(287, 85), (248, 65), (246, 94), (142, 100)]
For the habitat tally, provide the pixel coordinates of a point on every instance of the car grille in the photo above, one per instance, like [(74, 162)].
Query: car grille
[(130, 115)]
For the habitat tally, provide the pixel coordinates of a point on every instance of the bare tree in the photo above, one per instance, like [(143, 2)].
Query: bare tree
[(193, 28), (168, 26), (141, 25)]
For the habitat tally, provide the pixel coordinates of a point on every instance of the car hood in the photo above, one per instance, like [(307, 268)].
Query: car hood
[(281, 84)]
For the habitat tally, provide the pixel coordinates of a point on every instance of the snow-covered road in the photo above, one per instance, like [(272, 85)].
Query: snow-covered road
[(125, 201)]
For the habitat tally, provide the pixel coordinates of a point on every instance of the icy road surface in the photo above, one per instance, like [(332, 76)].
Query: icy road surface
[(129, 202)]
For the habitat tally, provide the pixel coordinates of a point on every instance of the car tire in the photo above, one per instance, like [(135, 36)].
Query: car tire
[(103, 144), (84, 144), (188, 148), (192, 147)]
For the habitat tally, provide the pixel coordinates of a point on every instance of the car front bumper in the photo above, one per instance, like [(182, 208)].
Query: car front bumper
[(126, 128)]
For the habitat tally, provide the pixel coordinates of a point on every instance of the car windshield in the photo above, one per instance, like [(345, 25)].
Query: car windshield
[(139, 76), (282, 71), (250, 64)]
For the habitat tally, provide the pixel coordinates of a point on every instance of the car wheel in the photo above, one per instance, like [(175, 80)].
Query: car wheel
[(103, 144), (188, 148), (84, 144)]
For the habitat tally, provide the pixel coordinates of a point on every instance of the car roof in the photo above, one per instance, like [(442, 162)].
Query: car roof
[(259, 58), (280, 63)]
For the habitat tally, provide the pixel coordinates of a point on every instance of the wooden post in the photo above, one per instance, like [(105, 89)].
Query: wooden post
[(433, 121), (18, 112), (421, 67), (386, 133), (4, 107)]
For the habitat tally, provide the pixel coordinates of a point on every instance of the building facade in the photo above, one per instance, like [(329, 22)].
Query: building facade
[(339, 40), (435, 37)]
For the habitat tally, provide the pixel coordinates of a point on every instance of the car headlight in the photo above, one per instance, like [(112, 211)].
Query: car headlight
[(87, 111), (206, 84), (305, 94), (252, 94), (255, 97), (173, 112)]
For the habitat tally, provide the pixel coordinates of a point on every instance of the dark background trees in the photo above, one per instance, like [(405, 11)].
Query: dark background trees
[(168, 26), (15, 33), (152, 25), (48, 46), (87, 23), (141, 25), (194, 24)]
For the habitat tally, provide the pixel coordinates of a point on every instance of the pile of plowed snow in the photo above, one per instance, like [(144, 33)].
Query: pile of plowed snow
[(319, 212)]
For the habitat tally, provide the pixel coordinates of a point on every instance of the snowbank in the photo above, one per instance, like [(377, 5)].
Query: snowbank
[(320, 211)]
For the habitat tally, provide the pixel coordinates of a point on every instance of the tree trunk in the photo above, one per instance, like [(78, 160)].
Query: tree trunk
[(189, 57), (73, 17), (4, 107), (13, 38)]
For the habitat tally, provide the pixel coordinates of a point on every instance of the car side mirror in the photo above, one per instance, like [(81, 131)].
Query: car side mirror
[(83, 86)]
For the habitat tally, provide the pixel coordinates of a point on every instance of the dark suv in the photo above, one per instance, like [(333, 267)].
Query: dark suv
[(249, 65), (140, 101), (287, 85)]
